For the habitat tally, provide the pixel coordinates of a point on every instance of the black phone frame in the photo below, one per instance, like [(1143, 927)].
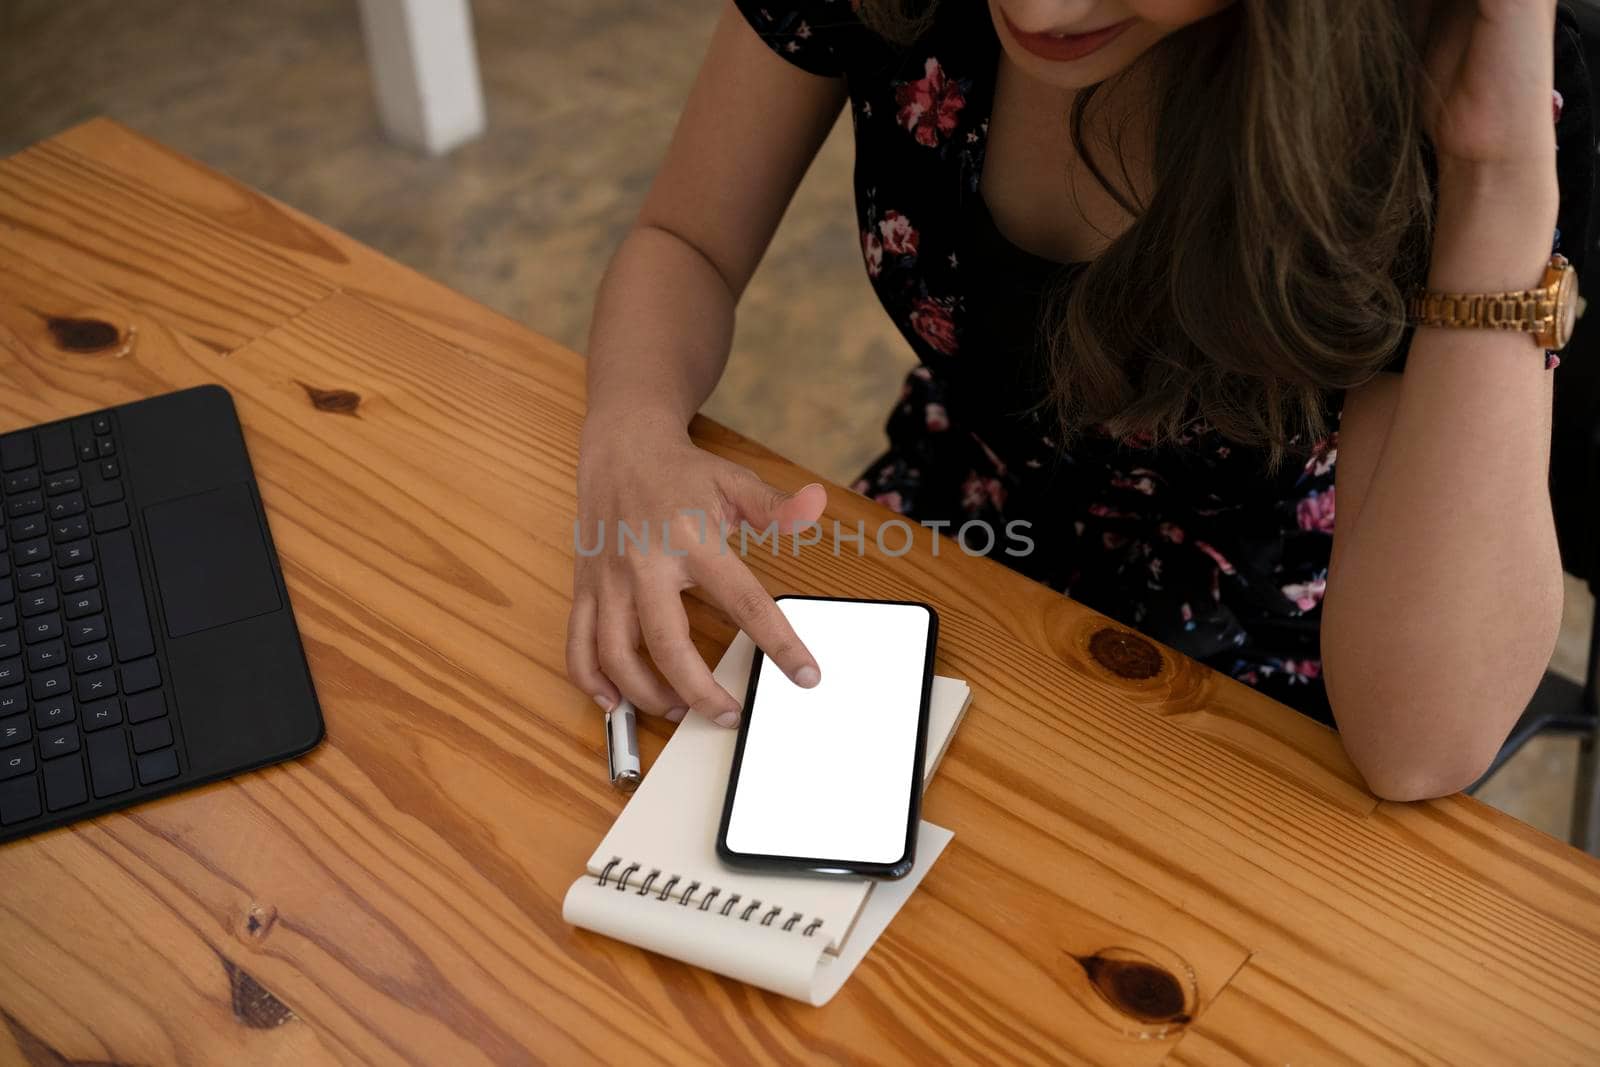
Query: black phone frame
[(818, 865)]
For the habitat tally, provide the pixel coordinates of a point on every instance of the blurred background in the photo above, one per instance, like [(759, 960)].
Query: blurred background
[(581, 97)]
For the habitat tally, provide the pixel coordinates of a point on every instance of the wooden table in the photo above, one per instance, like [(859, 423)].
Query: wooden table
[(395, 896)]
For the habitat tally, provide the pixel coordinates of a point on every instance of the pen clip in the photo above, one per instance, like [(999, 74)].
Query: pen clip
[(611, 756)]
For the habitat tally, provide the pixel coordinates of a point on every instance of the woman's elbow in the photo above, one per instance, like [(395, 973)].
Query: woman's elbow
[(1423, 753), (1412, 740), (1421, 776)]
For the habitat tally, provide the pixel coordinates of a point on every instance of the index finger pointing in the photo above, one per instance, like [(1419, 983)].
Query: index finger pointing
[(730, 583)]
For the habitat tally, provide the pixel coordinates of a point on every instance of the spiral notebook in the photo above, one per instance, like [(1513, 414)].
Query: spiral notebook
[(656, 881)]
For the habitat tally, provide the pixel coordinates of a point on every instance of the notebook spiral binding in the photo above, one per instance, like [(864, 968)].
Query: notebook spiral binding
[(707, 900)]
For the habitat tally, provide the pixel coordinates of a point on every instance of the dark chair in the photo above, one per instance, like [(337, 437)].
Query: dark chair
[(1563, 706), (1559, 704)]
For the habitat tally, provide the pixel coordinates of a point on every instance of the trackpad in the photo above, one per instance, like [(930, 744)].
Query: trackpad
[(212, 566)]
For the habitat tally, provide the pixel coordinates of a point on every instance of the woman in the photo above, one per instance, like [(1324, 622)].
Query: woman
[(1155, 258)]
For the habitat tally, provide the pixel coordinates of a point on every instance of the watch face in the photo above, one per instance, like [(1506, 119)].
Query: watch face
[(1566, 311)]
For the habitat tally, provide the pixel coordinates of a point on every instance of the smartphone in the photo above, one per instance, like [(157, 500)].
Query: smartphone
[(829, 779)]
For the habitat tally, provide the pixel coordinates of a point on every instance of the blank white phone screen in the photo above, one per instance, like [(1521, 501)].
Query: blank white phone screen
[(827, 772)]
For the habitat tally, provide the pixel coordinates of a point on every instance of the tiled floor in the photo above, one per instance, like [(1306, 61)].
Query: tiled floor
[(582, 95)]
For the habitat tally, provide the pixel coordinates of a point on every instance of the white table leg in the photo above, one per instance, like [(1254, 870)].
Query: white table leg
[(424, 71)]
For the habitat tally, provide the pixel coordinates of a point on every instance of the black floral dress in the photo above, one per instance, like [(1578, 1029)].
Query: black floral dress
[(1194, 543)]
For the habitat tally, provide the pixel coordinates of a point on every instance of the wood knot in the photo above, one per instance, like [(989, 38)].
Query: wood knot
[(1142, 990), (82, 334), (258, 922), (252, 1004), (337, 401), (1125, 654)]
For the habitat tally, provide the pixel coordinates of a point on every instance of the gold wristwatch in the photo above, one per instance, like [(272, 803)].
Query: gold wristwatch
[(1547, 312)]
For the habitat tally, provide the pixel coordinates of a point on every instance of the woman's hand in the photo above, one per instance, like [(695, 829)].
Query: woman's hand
[(644, 472), (1488, 108)]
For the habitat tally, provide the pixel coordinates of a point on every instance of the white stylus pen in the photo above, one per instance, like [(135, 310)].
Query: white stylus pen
[(622, 747)]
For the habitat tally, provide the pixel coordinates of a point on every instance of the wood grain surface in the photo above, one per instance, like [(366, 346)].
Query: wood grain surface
[(1151, 861)]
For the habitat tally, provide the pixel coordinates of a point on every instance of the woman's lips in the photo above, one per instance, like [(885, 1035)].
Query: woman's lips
[(1072, 46)]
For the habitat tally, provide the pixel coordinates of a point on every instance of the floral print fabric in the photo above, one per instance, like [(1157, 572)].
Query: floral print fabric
[(1197, 544)]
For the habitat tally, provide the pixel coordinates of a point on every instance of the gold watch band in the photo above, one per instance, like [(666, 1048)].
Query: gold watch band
[(1528, 310)]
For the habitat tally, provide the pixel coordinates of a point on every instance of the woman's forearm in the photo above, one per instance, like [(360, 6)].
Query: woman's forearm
[(663, 322), (1447, 598)]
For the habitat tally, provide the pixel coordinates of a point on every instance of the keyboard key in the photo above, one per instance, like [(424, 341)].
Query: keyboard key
[(35, 551), (41, 628), (7, 593), (48, 684), (102, 713), (35, 575), (13, 699), (16, 450), (8, 617), (69, 529), (91, 658), (64, 507), (44, 657), (158, 766), (32, 526), (63, 784), (96, 686), (124, 591), (60, 741), (10, 643), (104, 493), (107, 447), (110, 517), (25, 504), (16, 761), (146, 706), (109, 469), (87, 451), (83, 577), (109, 768), (22, 481), (65, 482), (81, 604), (74, 552), (86, 630), (141, 675), (11, 671), (101, 424), (19, 801), (52, 712), (151, 735), (55, 449), (39, 601), (14, 731), (83, 438)]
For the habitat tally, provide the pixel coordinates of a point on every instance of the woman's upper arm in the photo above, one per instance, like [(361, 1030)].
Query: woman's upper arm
[(750, 128)]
